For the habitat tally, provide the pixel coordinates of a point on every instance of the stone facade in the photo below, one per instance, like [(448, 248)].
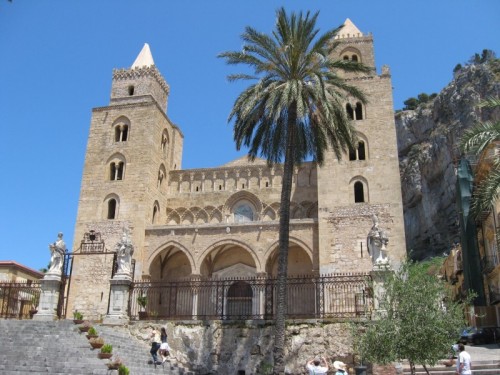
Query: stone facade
[(214, 222)]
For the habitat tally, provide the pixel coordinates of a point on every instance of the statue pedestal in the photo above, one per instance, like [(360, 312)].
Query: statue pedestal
[(49, 298), (379, 274), (118, 304)]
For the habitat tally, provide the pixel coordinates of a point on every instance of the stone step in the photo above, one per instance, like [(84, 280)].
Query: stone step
[(59, 348)]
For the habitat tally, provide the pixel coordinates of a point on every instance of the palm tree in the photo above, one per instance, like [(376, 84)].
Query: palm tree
[(294, 111), (478, 140)]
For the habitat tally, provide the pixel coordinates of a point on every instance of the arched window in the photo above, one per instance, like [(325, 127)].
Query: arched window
[(352, 154), (359, 111), (359, 195), (156, 213), (350, 111), (243, 213), (164, 141), (361, 151), (116, 170), (346, 57), (121, 133), (354, 58), (112, 209)]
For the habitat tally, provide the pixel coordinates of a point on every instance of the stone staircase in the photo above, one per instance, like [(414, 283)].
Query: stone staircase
[(479, 367), (37, 347)]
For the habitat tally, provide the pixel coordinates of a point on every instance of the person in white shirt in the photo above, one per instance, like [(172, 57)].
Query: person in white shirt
[(317, 366), (463, 361)]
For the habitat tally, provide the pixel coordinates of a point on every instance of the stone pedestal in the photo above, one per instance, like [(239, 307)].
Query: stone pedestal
[(49, 298), (379, 274), (118, 304)]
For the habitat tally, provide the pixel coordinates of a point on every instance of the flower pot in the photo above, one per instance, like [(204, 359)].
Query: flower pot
[(84, 328), (78, 321), (104, 355), (32, 312), (143, 315), (113, 366), (92, 336), (96, 345)]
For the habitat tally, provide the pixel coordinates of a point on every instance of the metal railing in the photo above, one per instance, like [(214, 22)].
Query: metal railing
[(341, 296), (19, 300)]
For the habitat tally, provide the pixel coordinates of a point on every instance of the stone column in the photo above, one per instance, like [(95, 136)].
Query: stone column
[(49, 298), (118, 304)]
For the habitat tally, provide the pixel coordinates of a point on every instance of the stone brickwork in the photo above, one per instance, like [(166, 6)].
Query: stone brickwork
[(215, 222)]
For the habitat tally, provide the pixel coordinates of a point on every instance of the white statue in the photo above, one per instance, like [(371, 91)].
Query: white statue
[(376, 242), (57, 251), (124, 252)]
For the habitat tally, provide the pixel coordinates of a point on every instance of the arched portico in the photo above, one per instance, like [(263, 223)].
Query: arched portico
[(227, 253), (299, 258), (170, 261)]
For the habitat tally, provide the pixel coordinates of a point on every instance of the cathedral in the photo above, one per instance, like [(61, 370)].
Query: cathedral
[(223, 222)]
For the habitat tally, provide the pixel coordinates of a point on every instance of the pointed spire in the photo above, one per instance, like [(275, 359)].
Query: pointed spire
[(144, 59), (349, 30)]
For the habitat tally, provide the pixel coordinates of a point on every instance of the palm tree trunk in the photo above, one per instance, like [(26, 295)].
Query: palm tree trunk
[(284, 232)]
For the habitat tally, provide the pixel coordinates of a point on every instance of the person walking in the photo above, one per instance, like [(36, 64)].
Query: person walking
[(317, 366), (155, 345), (463, 361), (164, 347)]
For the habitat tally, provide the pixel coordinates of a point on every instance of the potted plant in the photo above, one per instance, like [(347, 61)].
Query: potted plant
[(85, 326), (96, 342), (142, 300), (92, 333), (106, 351), (115, 363), (123, 370), (77, 317)]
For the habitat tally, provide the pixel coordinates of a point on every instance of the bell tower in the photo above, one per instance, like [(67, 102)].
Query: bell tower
[(132, 145)]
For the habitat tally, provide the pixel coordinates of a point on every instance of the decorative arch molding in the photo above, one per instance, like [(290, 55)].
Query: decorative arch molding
[(121, 129), (177, 245), (220, 243), (117, 156), (349, 52), (242, 195)]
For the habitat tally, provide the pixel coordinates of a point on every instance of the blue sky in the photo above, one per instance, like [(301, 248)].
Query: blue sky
[(56, 64)]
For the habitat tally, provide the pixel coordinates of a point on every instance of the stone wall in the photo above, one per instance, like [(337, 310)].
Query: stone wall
[(216, 347)]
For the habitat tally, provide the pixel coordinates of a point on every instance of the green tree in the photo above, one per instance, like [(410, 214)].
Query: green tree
[(294, 110), (418, 321), (411, 103), (478, 140)]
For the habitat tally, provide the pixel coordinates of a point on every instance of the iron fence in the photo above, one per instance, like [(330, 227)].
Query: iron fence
[(341, 296), (19, 300)]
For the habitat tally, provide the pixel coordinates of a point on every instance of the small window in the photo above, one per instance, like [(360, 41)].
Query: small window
[(359, 111), (346, 57), (242, 186), (352, 154), (131, 90), (350, 111), (361, 151), (196, 188), (121, 133), (267, 184), (112, 209), (220, 187), (354, 58), (155, 213), (359, 195), (116, 171)]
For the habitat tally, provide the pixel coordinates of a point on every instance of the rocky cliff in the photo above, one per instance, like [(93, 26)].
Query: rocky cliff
[(428, 153)]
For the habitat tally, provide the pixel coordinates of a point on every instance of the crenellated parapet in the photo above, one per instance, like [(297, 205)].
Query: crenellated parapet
[(145, 71)]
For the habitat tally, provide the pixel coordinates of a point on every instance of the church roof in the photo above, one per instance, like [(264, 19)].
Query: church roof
[(349, 30), (244, 161), (144, 59)]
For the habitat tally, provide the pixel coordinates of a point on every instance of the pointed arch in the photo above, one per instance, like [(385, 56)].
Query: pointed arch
[(121, 129)]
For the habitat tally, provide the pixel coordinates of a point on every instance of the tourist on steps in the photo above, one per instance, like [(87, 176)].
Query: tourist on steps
[(164, 347), (155, 345)]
